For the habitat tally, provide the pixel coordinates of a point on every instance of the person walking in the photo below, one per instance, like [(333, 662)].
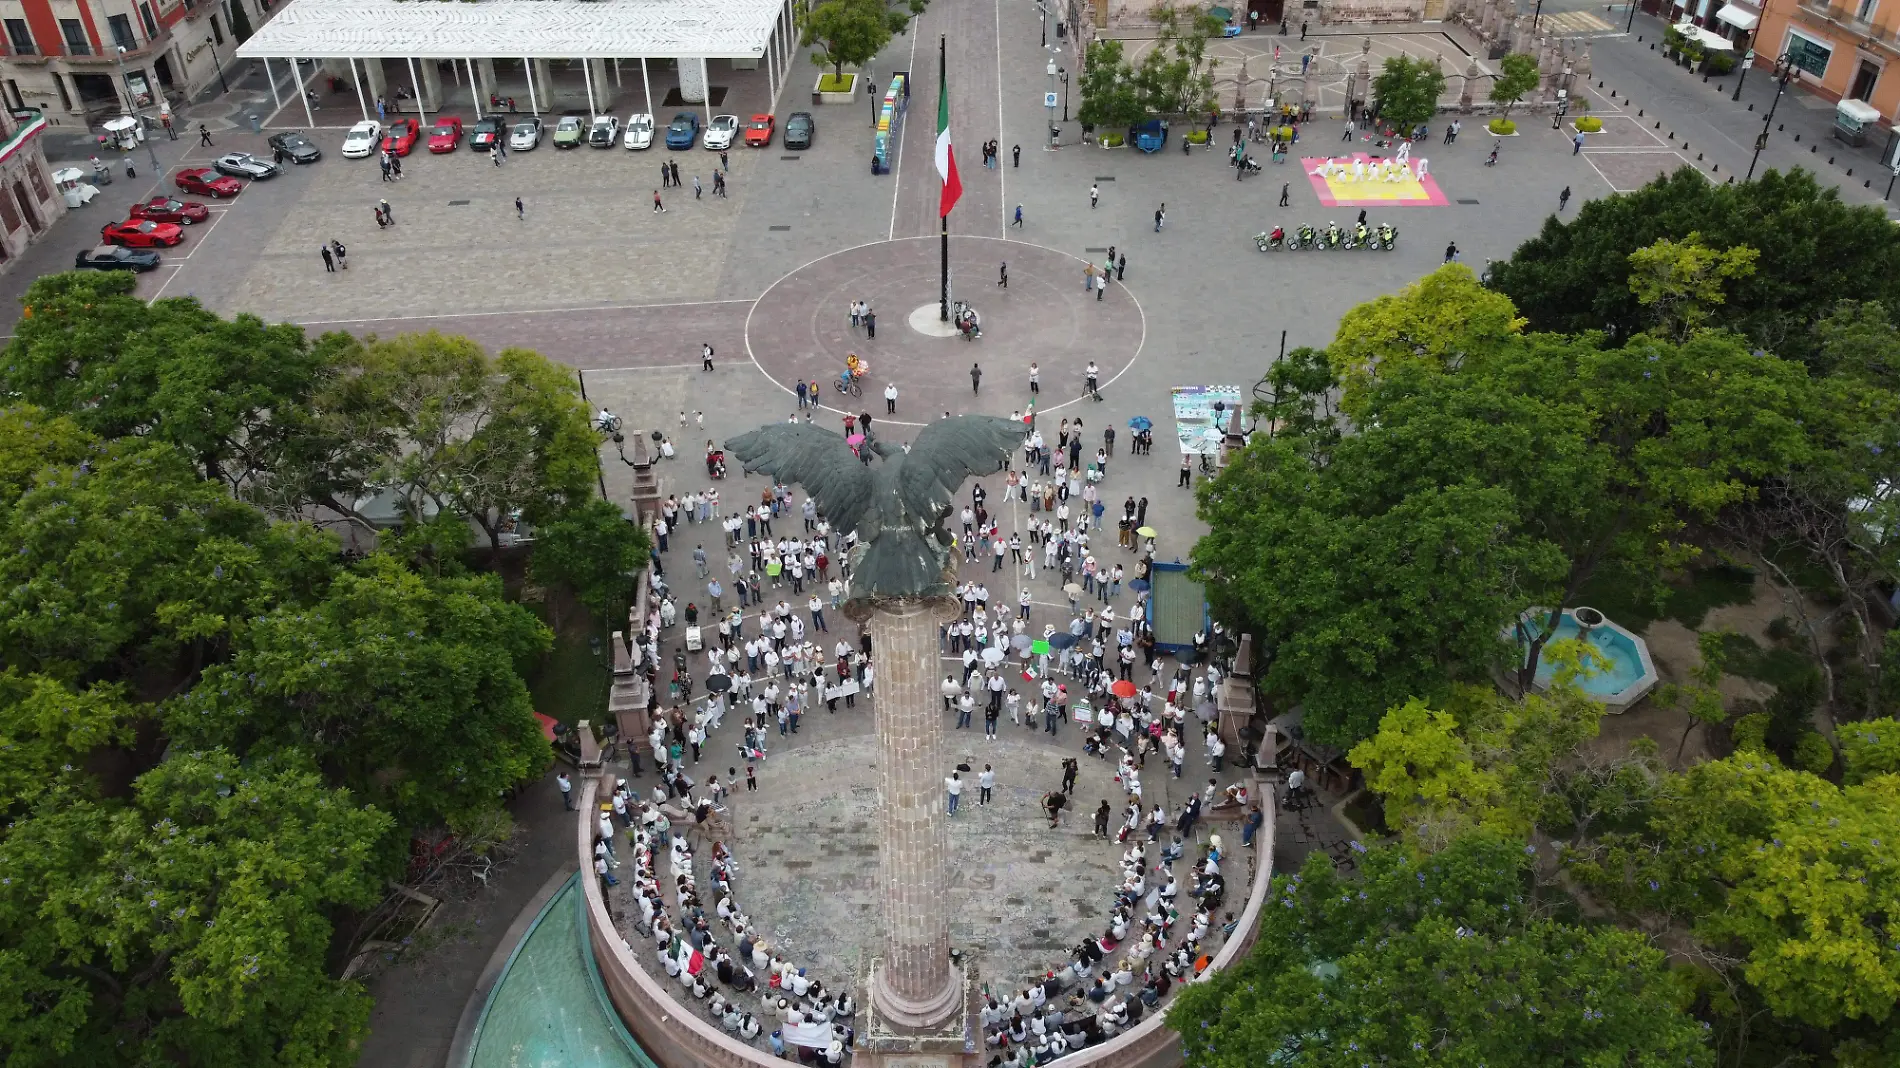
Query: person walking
[(1348, 134), (1002, 275), (342, 257), (1019, 217), (1121, 266), (1070, 768), (870, 321), (976, 378), (1451, 252), (1186, 480), (986, 779), (1101, 819), (329, 263), (953, 786), (1053, 805), (890, 399), (1095, 195), (170, 133), (705, 356), (494, 154), (388, 212), (674, 168), (697, 190), (1161, 217), (1451, 132), (1576, 143), (204, 136), (1285, 190), (1015, 155), (658, 208), (1563, 199), (567, 791)]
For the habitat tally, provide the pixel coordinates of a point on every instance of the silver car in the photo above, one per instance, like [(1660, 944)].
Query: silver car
[(245, 165), (525, 135)]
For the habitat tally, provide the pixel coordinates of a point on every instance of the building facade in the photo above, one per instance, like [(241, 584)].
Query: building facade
[(29, 202), (1840, 49), (63, 57)]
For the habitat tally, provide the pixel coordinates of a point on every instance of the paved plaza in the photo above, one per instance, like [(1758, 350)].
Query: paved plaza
[(593, 277)]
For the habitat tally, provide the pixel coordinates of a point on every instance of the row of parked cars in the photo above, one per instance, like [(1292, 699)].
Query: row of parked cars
[(369, 137), (150, 225)]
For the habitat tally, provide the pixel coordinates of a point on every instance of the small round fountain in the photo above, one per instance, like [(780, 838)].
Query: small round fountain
[(1625, 672)]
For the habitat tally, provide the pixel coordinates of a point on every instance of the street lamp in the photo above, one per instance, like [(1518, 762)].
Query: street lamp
[(1747, 54), (1785, 64), (132, 106), (1042, 10), (1632, 19), (219, 67), (1064, 71)]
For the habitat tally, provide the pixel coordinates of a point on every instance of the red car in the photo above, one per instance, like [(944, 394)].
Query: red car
[(206, 182), (447, 135), (758, 131), (165, 209), (401, 138), (142, 233)]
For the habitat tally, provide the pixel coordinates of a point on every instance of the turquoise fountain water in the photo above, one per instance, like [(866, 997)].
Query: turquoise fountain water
[(1622, 664), (549, 1009)]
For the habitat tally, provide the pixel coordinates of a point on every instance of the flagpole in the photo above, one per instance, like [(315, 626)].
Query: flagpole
[(943, 221)]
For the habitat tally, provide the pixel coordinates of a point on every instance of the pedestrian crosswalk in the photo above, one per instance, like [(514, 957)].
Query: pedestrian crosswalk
[(1575, 23)]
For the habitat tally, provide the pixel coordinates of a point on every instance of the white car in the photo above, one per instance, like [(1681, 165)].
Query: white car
[(525, 135), (604, 132), (362, 139), (719, 135), (640, 131)]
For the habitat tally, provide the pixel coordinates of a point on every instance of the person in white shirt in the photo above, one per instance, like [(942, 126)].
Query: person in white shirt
[(985, 782), (954, 786)]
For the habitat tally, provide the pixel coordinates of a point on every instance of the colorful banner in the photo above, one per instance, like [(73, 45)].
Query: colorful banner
[(1194, 417), (890, 121)]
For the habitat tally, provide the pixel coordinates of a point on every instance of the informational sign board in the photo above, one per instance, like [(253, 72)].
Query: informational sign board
[(1194, 417)]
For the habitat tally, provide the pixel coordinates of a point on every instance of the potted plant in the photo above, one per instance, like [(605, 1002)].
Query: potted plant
[(848, 33), (1113, 140)]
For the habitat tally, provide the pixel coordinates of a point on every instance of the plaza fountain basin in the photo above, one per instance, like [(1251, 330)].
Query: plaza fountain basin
[(1627, 673)]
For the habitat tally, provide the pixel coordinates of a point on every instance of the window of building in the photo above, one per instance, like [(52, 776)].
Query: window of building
[(9, 215), (20, 37), (1864, 10), (151, 23), (34, 176), (75, 33), (1808, 54), (122, 31)]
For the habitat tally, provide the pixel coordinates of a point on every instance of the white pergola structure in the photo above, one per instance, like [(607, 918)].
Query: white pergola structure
[(477, 32)]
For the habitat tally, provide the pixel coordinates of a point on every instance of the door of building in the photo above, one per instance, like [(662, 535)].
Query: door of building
[(1864, 80), (26, 206), (1267, 10)]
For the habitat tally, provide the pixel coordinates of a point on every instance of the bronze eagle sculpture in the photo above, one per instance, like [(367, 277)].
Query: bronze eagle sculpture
[(897, 505)]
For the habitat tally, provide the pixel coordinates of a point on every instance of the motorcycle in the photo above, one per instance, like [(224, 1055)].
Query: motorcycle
[(1386, 237), (1361, 237), (1332, 237), (1308, 238), (1265, 241), (1350, 240)]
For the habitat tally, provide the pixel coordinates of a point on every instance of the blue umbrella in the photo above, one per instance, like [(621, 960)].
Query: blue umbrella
[(1138, 585), (1141, 422), (1062, 640)]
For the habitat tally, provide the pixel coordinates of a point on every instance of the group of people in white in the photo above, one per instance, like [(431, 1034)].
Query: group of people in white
[(1401, 168)]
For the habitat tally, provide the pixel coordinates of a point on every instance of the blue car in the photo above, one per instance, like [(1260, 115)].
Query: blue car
[(682, 131)]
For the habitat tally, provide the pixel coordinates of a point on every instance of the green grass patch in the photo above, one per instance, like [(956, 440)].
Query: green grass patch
[(834, 83), (571, 682), (1687, 600), (1779, 666), (1590, 124), (1709, 588), (1502, 127)]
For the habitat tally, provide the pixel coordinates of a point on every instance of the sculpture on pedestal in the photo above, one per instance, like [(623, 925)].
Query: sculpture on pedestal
[(900, 583)]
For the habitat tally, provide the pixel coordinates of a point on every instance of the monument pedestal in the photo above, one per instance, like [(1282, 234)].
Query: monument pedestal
[(887, 1039)]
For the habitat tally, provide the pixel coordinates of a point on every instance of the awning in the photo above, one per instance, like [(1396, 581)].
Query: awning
[(1739, 17), (1707, 38)]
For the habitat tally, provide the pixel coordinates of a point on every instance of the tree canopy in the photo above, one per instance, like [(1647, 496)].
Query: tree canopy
[(851, 32), (1407, 91), (1517, 75)]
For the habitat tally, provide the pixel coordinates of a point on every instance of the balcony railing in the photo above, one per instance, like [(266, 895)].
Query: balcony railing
[(134, 49)]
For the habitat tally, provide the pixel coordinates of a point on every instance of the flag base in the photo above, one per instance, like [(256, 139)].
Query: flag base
[(928, 321)]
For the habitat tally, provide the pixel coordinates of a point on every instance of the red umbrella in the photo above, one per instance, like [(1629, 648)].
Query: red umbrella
[(854, 439), (548, 725), (1122, 688)]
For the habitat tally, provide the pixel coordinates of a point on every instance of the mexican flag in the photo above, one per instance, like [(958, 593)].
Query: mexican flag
[(946, 158)]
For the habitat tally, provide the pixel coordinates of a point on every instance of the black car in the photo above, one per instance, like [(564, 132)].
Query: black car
[(800, 129), (487, 131), (116, 258), (296, 147)]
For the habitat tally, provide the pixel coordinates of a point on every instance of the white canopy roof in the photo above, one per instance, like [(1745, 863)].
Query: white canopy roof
[(1739, 17), (527, 29), (1708, 38)]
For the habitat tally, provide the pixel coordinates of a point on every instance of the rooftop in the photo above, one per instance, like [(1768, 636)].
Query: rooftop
[(525, 29)]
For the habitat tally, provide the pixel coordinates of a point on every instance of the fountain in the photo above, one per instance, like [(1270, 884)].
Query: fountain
[(1626, 673)]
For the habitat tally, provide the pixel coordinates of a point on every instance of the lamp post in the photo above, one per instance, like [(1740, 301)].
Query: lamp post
[(1747, 55), (1632, 19), (1786, 65), (1042, 11), (1051, 97), (1537, 14), (870, 89), (1064, 71), (212, 44), (134, 109)]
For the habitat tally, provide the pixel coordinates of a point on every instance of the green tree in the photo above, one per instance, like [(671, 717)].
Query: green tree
[(1176, 77), (1436, 960), (49, 730), (1870, 749), (1110, 96), (226, 392), (129, 558), (1683, 282), (594, 551), (405, 688), (32, 439), (1444, 321), (1574, 275), (851, 32), (1407, 91), (186, 925), (1699, 698), (1517, 75)]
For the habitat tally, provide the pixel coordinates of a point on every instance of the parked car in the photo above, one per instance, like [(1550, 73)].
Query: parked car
[(569, 131), (142, 233), (800, 128), (206, 182), (682, 131), (401, 138), (245, 165), (362, 139), (296, 147), (487, 130), (114, 258), (720, 134), (525, 136), (447, 135), (758, 131), (605, 133), (639, 130), (165, 209)]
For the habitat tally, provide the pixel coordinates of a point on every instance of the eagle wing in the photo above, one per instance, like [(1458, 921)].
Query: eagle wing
[(815, 458), (948, 451)]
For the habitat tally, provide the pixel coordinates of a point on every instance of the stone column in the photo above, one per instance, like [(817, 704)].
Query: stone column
[(543, 83), (374, 83), (915, 986), (692, 81), (603, 92), (1472, 73), (431, 87)]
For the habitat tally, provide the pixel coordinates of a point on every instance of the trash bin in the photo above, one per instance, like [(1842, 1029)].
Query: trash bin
[(257, 124)]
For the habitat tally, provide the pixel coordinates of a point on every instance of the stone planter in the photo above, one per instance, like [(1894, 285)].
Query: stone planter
[(848, 96)]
